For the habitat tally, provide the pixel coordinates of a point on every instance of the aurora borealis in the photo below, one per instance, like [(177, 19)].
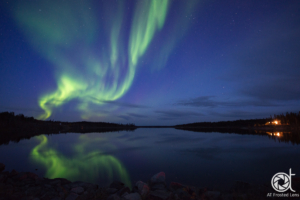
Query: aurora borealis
[(108, 73), (159, 62)]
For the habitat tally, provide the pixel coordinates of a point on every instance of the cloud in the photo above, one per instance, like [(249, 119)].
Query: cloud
[(240, 114), (171, 114), (208, 101), (129, 116), (121, 104), (204, 101), (137, 115)]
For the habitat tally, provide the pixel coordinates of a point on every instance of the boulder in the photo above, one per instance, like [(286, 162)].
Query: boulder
[(48, 194), (9, 189), (123, 195), (114, 197), (33, 191), (3, 177), (99, 194), (84, 185), (48, 186), (2, 167), (77, 190), (13, 173), (158, 178), (241, 196), (111, 190), (158, 186), (183, 194), (72, 196), (83, 197), (212, 195), (117, 185), (201, 191), (10, 181), (63, 180), (55, 182), (61, 194), (241, 187), (183, 191), (75, 184), (56, 198), (160, 195), (142, 188), (123, 190), (87, 185), (227, 197), (174, 186), (21, 176), (133, 196)]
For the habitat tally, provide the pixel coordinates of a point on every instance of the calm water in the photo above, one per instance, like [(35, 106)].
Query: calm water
[(194, 158)]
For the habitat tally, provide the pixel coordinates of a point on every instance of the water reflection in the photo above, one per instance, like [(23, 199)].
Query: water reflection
[(293, 137), (83, 165), (279, 136), (276, 134), (204, 159)]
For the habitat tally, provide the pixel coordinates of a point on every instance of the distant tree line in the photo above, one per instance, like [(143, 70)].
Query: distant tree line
[(289, 118), (11, 116), (236, 123), (9, 119), (17, 127)]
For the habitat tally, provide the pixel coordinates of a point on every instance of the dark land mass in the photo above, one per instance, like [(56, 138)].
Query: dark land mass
[(284, 136), (227, 124), (17, 127), (286, 128), (288, 122), (155, 126)]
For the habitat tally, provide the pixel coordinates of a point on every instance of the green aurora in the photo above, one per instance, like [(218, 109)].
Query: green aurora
[(85, 166), (95, 52)]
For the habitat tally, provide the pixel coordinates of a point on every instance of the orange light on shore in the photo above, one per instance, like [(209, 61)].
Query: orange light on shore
[(275, 134)]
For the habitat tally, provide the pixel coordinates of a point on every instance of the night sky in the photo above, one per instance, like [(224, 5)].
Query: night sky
[(150, 62)]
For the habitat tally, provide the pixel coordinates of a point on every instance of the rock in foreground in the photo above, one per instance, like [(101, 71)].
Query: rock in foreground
[(29, 186)]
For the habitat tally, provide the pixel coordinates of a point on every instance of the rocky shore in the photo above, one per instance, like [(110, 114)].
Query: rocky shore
[(29, 186)]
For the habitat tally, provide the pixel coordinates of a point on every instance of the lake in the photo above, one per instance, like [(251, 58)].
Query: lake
[(214, 160)]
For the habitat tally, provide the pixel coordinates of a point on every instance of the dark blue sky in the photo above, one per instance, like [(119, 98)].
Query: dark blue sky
[(150, 62)]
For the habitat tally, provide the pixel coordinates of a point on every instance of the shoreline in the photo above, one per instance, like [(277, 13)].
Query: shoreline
[(18, 134), (285, 128), (29, 186)]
